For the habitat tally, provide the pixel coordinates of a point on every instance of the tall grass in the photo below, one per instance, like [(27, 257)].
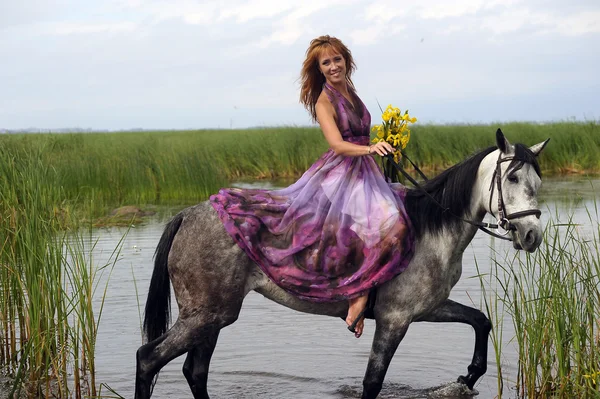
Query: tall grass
[(575, 146), (552, 298), (47, 322), (102, 170)]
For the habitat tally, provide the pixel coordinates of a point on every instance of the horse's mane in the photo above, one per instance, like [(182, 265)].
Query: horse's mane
[(453, 189)]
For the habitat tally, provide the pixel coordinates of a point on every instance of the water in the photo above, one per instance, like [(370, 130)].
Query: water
[(275, 352)]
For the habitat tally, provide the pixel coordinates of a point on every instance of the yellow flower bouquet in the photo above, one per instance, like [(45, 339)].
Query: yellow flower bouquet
[(394, 129)]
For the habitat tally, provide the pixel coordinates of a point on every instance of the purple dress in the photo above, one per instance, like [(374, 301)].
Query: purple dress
[(337, 232)]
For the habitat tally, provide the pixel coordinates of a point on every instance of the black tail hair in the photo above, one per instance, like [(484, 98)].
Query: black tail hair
[(157, 314)]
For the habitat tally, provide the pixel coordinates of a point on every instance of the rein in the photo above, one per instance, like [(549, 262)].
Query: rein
[(503, 218)]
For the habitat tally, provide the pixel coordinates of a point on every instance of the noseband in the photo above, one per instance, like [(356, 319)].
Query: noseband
[(504, 218)]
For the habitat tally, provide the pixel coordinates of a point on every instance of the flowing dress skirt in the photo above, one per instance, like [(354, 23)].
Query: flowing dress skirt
[(334, 234)]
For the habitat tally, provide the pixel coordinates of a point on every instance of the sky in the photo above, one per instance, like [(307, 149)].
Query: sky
[(184, 64)]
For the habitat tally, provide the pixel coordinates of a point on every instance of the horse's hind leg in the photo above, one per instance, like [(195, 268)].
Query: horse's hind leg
[(183, 337), (453, 312), (196, 365), (209, 275), (153, 356)]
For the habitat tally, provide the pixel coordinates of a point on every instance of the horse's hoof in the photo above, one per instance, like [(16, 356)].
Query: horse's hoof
[(453, 390), (465, 380)]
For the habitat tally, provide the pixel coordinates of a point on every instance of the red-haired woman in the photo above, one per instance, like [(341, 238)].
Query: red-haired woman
[(341, 229)]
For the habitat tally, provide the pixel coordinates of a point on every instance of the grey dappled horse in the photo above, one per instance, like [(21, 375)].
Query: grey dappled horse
[(211, 275)]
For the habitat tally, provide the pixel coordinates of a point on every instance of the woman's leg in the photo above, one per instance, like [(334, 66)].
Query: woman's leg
[(357, 305)]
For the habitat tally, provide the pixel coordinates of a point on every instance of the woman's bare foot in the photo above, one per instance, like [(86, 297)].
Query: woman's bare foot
[(356, 306)]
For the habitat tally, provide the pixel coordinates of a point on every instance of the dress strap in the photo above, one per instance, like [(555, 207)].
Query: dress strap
[(353, 102), (335, 97), (332, 90)]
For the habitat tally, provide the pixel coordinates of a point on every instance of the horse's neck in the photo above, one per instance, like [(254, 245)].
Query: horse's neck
[(478, 207), (454, 240), (450, 243), (480, 197)]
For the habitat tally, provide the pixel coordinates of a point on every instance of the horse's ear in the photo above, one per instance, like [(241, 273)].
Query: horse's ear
[(537, 148), (501, 142)]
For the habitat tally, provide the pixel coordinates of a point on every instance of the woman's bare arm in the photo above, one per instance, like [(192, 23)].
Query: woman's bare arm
[(326, 119)]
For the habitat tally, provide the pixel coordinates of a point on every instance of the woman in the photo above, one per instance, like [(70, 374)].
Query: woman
[(341, 229)]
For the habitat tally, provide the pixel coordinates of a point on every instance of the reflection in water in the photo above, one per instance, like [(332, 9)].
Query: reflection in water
[(274, 352)]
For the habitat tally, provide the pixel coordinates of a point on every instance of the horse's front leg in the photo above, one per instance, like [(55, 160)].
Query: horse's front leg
[(388, 334), (453, 312)]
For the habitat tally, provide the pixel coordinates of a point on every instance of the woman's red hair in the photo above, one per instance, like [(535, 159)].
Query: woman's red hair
[(311, 78)]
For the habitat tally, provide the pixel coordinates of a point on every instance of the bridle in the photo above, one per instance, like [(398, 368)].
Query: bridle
[(503, 217)]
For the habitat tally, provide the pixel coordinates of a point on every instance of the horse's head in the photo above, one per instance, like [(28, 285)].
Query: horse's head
[(514, 188)]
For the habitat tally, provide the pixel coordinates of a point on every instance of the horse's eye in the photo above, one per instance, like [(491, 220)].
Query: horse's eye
[(513, 179)]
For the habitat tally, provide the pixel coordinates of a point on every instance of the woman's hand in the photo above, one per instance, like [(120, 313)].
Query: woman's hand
[(382, 148)]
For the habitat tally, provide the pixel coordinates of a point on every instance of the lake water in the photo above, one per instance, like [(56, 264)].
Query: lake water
[(274, 352)]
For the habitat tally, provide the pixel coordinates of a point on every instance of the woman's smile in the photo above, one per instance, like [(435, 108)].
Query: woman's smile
[(333, 67)]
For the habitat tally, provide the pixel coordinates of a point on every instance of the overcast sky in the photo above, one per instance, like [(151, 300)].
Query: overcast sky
[(119, 64)]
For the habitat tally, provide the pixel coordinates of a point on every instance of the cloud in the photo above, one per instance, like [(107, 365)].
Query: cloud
[(190, 12), (498, 17), (254, 9), (295, 22), (387, 17), (15, 13), (214, 12), (285, 34), (543, 22), (288, 21), (143, 61), (579, 23), (372, 34), (69, 28), (436, 9), (388, 10)]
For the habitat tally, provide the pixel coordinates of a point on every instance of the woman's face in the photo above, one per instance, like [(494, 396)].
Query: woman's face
[(333, 67)]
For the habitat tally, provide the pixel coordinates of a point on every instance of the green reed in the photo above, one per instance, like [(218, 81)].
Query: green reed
[(47, 322), (495, 311), (575, 146), (552, 298), (102, 170)]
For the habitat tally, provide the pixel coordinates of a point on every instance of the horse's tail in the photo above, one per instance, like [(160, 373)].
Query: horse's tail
[(157, 314)]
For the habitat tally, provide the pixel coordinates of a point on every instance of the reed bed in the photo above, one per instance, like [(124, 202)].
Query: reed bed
[(552, 298), (47, 284), (100, 170), (574, 148)]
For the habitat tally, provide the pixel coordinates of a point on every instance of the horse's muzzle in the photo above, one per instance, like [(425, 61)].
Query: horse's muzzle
[(527, 238)]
